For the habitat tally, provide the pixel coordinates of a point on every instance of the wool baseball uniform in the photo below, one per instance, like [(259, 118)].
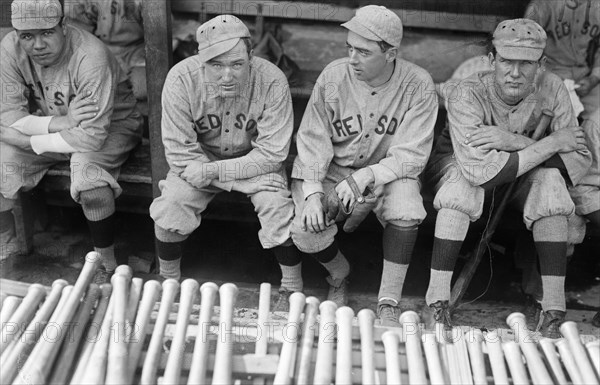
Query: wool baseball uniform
[(97, 147), (118, 23), (241, 137), (573, 29)]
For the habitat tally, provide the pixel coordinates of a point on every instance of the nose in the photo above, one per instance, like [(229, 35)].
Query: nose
[(353, 57), (38, 43), (227, 74), (514, 70)]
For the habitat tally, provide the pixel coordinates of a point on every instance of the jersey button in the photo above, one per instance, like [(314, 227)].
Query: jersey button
[(371, 115), (227, 130), (360, 157), (367, 136), (227, 113), (226, 149), (373, 93)]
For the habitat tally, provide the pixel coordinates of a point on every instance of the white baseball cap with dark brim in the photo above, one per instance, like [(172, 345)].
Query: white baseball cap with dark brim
[(35, 14), (219, 35)]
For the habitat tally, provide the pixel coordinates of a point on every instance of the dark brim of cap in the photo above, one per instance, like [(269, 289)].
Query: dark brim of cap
[(520, 53), (361, 30), (28, 23), (217, 49)]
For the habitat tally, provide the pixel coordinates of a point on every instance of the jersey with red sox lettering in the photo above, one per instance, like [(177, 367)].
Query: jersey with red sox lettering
[(572, 26), (86, 65), (118, 23), (387, 128), (475, 103)]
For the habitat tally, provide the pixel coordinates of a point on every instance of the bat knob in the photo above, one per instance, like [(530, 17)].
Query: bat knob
[(409, 317), (516, 320)]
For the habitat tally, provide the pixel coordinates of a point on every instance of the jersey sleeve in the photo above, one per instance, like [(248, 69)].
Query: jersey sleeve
[(313, 141), (82, 13), (272, 144), (101, 80), (411, 145), (576, 162), (15, 94), (465, 115)]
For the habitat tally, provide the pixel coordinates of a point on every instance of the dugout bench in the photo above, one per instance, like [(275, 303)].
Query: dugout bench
[(438, 37)]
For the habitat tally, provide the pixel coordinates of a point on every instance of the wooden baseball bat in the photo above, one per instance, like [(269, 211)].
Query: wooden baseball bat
[(474, 338), (593, 348), (2, 298), (285, 367), (42, 357), (308, 337), (95, 370), (460, 286), (571, 333), (512, 353), (552, 358), (170, 287), (199, 367), (117, 370), (135, 340), (262, 340), (224, 354), (135, 292), (20, 349), (11, 304), (463, 356), (391, 343), (450, 358), (343, 361), (324, 364), (172, 375), (535, 364), (93, 334), (494, 349), (569, 361), (22, 315), (432, 355), (414, 355), (366, 323), (66, 357)]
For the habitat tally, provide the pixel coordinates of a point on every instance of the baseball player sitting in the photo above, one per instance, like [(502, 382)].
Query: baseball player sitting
[(491, 118), (365, 136), (573, 54), (226, 125), (118, 23), (65, 98)]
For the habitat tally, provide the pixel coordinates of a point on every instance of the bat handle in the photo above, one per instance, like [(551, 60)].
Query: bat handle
[(391, 341), (343, 367), (224, 354), (366, 321)]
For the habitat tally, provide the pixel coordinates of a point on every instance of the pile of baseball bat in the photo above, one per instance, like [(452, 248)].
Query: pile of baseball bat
[(130, 332)]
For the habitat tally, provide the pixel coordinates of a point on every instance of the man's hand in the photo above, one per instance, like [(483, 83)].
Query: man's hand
[(497, 138), (585, 85), (15, 138), (195, 175), (268, 182), (82, 108), (569, 139), (363, 177), (313, 216)]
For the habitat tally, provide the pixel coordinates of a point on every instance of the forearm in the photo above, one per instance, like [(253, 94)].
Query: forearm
[(59, 123), (245, 167), (536, 154)]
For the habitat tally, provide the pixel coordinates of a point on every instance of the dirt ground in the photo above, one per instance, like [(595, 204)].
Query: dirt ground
[(230, 252)]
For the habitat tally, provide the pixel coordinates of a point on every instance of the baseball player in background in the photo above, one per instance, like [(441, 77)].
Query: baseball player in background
[(226, 125), (118, 23), (491, 118), (64, 98), (573, 52), (365, 137)]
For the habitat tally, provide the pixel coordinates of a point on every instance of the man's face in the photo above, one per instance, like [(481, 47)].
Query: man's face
[(43, 46), (515, 79), (229, 72), (367, 60)]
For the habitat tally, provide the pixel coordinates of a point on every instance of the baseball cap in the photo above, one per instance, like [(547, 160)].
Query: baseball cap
[(520, 39), (376, 22), (219, 35), (35, 14)]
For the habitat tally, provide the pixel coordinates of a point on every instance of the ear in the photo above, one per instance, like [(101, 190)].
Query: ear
[(542, 62), (391, 54), (250, 54), (492, 59)]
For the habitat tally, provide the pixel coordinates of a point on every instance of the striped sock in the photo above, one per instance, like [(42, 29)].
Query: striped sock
[(398, 246), (338, 267), (451, 228), (291, 277), (550, 237)]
